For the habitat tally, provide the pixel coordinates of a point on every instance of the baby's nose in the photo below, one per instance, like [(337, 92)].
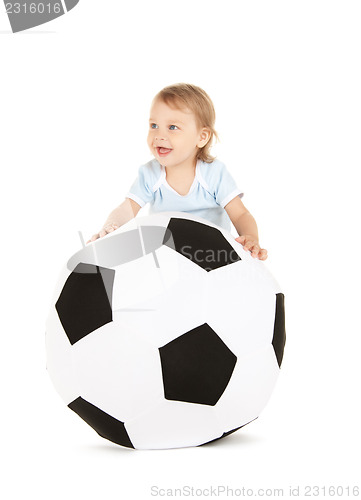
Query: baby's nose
[(160, 138)]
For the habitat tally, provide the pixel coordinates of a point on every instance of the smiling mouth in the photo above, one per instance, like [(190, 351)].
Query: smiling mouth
[(163, 151)]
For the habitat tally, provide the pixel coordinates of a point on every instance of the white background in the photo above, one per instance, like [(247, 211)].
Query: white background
[(285, 79)]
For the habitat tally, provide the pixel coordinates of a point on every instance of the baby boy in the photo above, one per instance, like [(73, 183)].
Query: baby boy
[(183, 176)]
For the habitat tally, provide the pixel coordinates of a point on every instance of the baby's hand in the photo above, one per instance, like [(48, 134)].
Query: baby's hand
[(249, 243), (105, 230)]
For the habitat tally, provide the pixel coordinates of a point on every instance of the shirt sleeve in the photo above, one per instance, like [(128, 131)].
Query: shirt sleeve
[(141, 190), (223, 187)]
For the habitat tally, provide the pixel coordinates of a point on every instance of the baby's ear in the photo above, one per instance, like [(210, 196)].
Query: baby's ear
[(204, 137)]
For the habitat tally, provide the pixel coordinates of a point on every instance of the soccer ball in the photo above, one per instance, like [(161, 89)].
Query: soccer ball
[(165, 333)]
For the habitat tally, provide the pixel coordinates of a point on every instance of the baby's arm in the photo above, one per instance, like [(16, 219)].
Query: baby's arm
[(246, 227), (119, 216)]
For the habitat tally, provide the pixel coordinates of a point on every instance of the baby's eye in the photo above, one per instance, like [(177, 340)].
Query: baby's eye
[(173, 127), (153, 125)]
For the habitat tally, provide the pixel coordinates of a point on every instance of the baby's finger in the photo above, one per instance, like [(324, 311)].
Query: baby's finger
[(255, 250), (263, 254), (250, 245)]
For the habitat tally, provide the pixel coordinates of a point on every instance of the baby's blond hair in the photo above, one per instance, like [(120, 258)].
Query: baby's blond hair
[(186, 95)]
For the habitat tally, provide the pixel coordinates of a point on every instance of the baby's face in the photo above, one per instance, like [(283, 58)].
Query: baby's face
[(174, 136)]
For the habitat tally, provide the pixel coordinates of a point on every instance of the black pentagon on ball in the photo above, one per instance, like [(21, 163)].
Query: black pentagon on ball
[(196, 366), (106, 426), (279, 330), (85, 302), (202, 244)]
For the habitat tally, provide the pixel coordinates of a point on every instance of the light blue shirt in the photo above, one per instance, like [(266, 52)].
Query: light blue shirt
[(213, 187)]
